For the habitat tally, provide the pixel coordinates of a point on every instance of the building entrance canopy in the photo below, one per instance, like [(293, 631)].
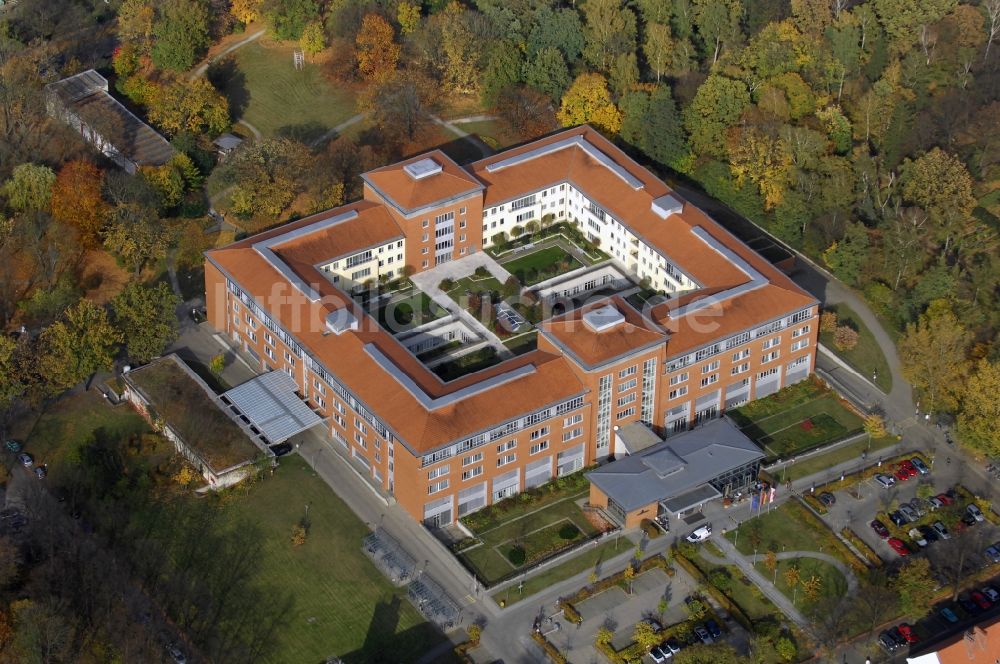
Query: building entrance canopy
[(691, 499), (272, 405)]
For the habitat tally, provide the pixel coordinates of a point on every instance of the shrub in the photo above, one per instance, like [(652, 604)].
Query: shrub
[(845, 338), (482, 272), (446, 284), (517, 556), (828, 321), (569, 531)]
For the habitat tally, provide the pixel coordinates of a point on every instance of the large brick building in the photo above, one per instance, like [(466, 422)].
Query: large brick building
[(733, 328)]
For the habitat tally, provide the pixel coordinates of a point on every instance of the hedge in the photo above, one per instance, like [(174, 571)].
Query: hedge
[(861, 546), (553, 653), (727, 603)]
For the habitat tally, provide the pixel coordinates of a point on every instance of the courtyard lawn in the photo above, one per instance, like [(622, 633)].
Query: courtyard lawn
[(477, 360), (540, 265), (409, 312), (867, 356), (588, 559), (832, 583), (522, 343), (473, 284), (798, 418), (820, 462), (343, 605), (264, 89)]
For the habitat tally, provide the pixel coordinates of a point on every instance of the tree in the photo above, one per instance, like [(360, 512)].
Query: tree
[(847, 256), (147, 318), (874, 426), (29, 187), (645, 635), (792, 576), (812, 16), (940, 184), (980, 409), (400, 106), (511, 287), (629, 575), (812, 586), (718, 23), (80, 344), (763, 159), (604, 636), (559, 28), (652, 123), (135, 234), (194, 106), (932, 353), (785, 649), (182, 34), (313, 39), (906, 22), (610, 32), (696, 609), (547, 72), (135, 24), (526, 111), (588, 101), (377, 53), (76, 199), (245, 11), (11, 385), (845, 338), (265, 175), (915, 586), (461, 48), (716, 653), (408, 17), (658, 48), (717, 105), (288, 18)]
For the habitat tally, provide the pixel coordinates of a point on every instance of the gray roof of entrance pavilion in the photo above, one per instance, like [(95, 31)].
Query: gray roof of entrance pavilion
[(271, 404), (675, 466)]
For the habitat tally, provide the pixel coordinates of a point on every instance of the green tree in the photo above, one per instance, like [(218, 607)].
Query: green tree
[(658, 48), (288, 18), (652, 123), (182, 33), (610, 31), (915, 586), (147, 319), (29, 187), (193, 106), (906, 22), (135, 24), (136, 234), (80, 344), (589, 101), (785, 649), (933, 353), (502, 68), (811, 16), (696, 609), (265, 176), (511, 287), (604, 636), (460, 45), (940, 184), (718, 23), (717, 105), (645, 635), (11, 385), (313, 39), (980, 409), (408, 16), (557, 28), (716, 653), (547, 72), (847, 256)]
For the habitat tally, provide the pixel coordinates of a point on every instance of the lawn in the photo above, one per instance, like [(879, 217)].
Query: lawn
[(264, 89), (590, 558), (741, 590), (538, 533), (473, 284), (492, 132), (820, 462), (831, 582), (866, 357), (540, 265), (798, 418), (343, 605), (522, 343), (404, 314), (477, 360)]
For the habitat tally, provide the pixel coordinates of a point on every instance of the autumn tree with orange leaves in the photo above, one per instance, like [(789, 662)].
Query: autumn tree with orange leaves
[(378, 54), (76, 198)]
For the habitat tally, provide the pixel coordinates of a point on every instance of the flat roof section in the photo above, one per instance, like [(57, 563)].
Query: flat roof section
[(272, 405), (425, 181)]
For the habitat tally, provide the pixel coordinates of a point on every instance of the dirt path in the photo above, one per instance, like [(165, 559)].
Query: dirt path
[(203, 67)]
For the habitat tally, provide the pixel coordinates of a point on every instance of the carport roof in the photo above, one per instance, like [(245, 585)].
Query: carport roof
[(271, 404)]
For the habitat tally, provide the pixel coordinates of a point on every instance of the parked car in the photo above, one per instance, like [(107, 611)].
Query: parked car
[(980, 599), (896, 634), (992, 553), (887, 642), (920, 466), (25, 459), (281, 449), (907, 632), (909, 513), (41, 472), (908, 466), (929, 533), (968, 520), (13, 446), (885, 481), (658, 655), (713, 628), (673, 646), (176, 654), (948, 614), (991, 594), (898, 518), (968, 605), (827, 498), (700, 534), (917, 537), (899, 546), (654, 623), (919, 506), (901, 474), (945, 499), (975, 512), (880, 529), (940, 530), (935, 502), (702, 634)]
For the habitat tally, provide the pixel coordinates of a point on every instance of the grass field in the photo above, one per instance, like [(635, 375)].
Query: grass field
[(401, 315), (539, 533), (831, 582), (473, 284), (492, 132), (787, 528), (798, 418), (866, 357), (540, 265), (819, 462), (343, 605), (264, 89), (741, 590)]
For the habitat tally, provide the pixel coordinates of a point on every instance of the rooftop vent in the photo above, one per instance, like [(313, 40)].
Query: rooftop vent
[(341, 321), (422, 168), (664, 206), (603, 318)]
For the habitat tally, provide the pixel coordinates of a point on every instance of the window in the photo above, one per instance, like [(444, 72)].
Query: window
[(269, 339), (439, 486), (771, 343), (423, 263), (269, 352), (679, 392), (358, 259), (627, 399), (340, 420), (799, 332), (631, 371), (509, 445), (441, 218), (523, 202), (770, 357), (737, 370), (425, 251), (539, 447), (575, 419), (319, 387), (425, 223), (472, 458), (320, 401), (251, 322), (709, 380), (472, 472), (625, 387), (461, 211), (706, 352), (289, 358), (361, 274), (741, 355), (360, 426), (679, 378), (800, 344), (462, 223), (764, 374), (710, 367), (524, 216), (253, 337), (360, 440), (628, 412), (425, 237), (506, 459), (535, 435), (438, 472), (570, 435)]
